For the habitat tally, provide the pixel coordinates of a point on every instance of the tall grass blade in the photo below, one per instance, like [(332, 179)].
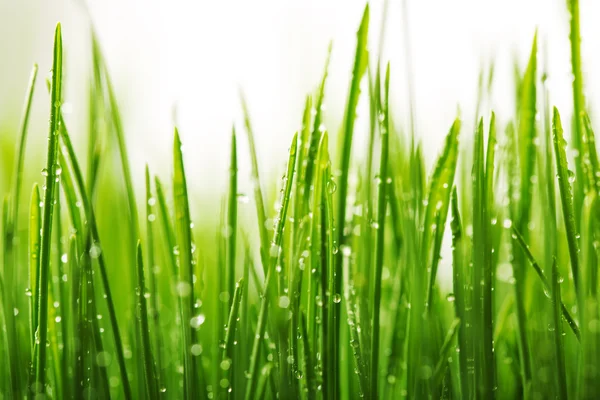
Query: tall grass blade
[(274, 254), (184, 250), (144, 326), (258, 193), (565, 178), (380, 242), (231, 227), (50, 193)]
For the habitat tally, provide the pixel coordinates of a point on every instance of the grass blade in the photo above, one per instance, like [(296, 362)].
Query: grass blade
[(48, 209), (558, 334), (183, 234), (232, 220), (95, 250), (359, 69), (35, 224), (274, 253), (144, 327), (565, 177), (578, 97), (438, 202), (547, 287), (230, 329), (379, 252), (440, 367), (258, 194)]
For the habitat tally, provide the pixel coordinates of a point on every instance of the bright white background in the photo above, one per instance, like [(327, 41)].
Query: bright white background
[(195, 55)]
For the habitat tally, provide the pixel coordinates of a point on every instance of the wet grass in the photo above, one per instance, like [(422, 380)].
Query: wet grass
[(337, 294)]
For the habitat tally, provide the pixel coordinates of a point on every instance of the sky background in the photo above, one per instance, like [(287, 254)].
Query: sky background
[(194, 55)]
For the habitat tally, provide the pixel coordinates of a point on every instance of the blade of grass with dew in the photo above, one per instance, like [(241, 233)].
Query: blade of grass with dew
[(558, 334), (547, 286), (593, 154), (258, 193), (548, 173), (480, 265), (587, 379), (525, 145), (463, 313), (438, 202), (167, 229), (565, 178), (35, 224), (578, 98), (315, 289), (485, 235), (227, 359), (186, 270), (153, 277), (330, 272), (308, 364), (438, 373), (317, 130), (358, 71), (142, 309), (301, 199), (380, 237), (48, 209), (355, 342), (232, 219), (527, 135), (11, 249), (274, 252), (62, 316), (96, 252)]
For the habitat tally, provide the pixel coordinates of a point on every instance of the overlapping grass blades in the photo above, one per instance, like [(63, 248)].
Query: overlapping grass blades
[(351, 300)]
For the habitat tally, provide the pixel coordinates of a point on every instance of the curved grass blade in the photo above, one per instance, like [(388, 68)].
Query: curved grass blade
[(18, 171), (438, 203), (115, 117), (11, 249), (527, 134), (258, 194), (565, 177), (274, 253), (183, 235), (358, 71), (380, 238), (307, 176), (51, 186), (144, 327), (547, 287), (442, 363), (96, 247)]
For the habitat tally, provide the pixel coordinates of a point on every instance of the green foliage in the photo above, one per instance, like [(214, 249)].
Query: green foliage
[(349, 302)]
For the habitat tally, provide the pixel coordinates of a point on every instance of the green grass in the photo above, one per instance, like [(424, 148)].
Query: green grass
[(336, 295)]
